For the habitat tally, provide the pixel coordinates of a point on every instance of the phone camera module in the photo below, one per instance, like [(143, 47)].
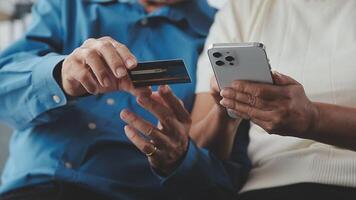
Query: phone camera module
[(217, 55), (219, 63), (229, 58)]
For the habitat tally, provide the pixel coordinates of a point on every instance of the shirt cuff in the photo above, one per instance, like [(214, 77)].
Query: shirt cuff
[(197, 172), (46, 90)]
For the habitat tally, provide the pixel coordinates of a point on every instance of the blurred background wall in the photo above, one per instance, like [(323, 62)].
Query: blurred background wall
[(13, 21)]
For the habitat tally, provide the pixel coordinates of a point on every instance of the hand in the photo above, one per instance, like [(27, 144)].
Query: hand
[(165, 145), (99, 66), (282, 108)]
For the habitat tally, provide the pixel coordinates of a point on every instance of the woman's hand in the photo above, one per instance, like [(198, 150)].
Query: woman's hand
[(164, 145), (282, 108)]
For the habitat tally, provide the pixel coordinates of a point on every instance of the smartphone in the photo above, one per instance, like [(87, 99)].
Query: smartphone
[(239, 61)]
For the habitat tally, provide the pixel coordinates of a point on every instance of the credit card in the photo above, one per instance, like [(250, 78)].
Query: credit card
[(162, 72)]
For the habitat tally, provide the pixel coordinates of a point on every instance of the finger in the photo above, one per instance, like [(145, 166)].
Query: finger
[(246, 99), (126, 85), (85, 77), (280, 79), (142, 144), (145, 128), (112, 58), (125, 54), (157, 97), (245, 110), (174, 103), (98, 66), (161, 112), (264, 91), (260, 123)]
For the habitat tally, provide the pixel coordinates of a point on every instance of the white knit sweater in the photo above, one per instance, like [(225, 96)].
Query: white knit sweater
[(313, 41)]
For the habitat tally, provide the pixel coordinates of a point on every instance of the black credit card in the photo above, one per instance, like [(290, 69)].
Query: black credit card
[(160, 72)]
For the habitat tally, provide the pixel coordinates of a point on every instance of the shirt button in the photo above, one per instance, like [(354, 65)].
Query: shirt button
[(56, 99), (144, 21), (92, 126), (68, 165), (110, 101)]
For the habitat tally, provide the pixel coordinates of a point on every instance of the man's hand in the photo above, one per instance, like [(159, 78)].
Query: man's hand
[(282, 109), (167, 144), (98, 66)]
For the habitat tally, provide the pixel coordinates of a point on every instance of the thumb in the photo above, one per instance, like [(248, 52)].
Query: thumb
[(281, 79)]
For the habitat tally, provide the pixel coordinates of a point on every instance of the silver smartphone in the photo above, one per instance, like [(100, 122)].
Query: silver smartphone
[(239, 61)]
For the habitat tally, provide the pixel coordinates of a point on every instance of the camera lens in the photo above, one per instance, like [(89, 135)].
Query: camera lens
[(219, 63), (229, 58), (217, 55)]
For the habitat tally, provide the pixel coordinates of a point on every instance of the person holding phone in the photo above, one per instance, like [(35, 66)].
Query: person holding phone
[(63, 85), (303, 128)]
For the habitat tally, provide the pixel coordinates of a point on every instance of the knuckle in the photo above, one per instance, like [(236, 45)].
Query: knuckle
[(251, 100), (83, 76), (286, 92), (89, 41), (277, 120), (107, 38), (121, 46), (77, 52), (257, 92), (238, 85), (88, 53), (103, 45)]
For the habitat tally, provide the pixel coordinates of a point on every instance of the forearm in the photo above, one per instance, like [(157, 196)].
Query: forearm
[(335, 125), (216, 132)]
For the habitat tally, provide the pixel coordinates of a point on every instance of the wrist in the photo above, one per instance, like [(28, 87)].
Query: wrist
[(314, 124)]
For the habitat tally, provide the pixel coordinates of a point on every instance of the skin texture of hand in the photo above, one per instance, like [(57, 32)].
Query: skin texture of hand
[(99, 66), (170, 137), (282, 108)]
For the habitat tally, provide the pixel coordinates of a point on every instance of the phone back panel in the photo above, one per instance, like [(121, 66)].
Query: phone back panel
[(240, 61), (249, 62)]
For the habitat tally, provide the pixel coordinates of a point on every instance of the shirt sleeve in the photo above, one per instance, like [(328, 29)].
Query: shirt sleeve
[(232, 24), (202, 176), (27, 85)]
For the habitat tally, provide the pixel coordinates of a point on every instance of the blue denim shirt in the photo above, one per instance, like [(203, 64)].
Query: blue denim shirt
[(82, 141)]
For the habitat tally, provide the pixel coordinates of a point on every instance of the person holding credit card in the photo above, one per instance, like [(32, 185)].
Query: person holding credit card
[(64, 84)]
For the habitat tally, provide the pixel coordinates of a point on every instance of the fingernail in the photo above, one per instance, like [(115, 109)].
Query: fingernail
[(227, 93), (225, 103), (106, 82), (124, 114), (223, 92), (127, 129), (120, 72), (130, 63)]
